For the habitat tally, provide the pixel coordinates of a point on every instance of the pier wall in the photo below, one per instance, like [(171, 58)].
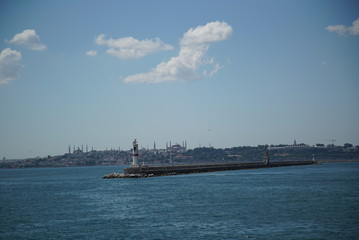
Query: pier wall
[(161, 170)]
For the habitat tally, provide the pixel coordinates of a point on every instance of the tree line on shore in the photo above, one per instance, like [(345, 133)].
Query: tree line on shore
[(347, 152)]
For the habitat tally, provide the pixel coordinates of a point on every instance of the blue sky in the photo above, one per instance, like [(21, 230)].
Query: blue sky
[(228, 73)]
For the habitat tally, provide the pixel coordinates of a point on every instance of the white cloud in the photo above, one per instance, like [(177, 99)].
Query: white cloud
[(215, 68), (131, 48), (340, 29), (211, 32), (9, 65), (91, 53), (29, 39), (343, 30), (191, 57), (354, 28)]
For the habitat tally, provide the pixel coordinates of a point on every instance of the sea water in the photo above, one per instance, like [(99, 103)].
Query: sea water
[(302, 202)]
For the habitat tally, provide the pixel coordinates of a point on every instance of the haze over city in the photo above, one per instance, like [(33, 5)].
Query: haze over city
[(219, 73)]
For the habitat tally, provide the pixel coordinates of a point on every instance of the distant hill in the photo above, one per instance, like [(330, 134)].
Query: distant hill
[(197, 155)]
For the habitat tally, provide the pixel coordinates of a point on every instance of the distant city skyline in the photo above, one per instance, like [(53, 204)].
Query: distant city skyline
[(213, 73), (169, 144)]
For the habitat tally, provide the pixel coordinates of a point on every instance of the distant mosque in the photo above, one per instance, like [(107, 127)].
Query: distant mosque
[(176, 148)]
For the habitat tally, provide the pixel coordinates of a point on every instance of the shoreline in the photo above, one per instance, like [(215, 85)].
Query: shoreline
[(45, 167)]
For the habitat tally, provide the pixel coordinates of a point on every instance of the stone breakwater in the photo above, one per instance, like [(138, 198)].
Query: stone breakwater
[(125, 175), (167, 170)]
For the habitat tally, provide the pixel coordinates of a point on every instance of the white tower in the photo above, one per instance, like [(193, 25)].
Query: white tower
[(134, 154)]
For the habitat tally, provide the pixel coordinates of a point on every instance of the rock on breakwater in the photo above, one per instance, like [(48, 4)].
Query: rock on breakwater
[(167, 170), (125, 175)]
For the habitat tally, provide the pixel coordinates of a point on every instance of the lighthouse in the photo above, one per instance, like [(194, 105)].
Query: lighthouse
[(135, 154), (266, 155)]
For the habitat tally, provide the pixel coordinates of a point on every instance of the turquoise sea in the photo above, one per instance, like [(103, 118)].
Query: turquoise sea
[(304, 202)]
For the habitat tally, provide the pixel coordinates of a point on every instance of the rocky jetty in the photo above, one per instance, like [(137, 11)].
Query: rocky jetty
[(142, 171), (125, 175)]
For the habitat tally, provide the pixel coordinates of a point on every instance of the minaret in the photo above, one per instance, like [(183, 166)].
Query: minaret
[(134, 154)]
